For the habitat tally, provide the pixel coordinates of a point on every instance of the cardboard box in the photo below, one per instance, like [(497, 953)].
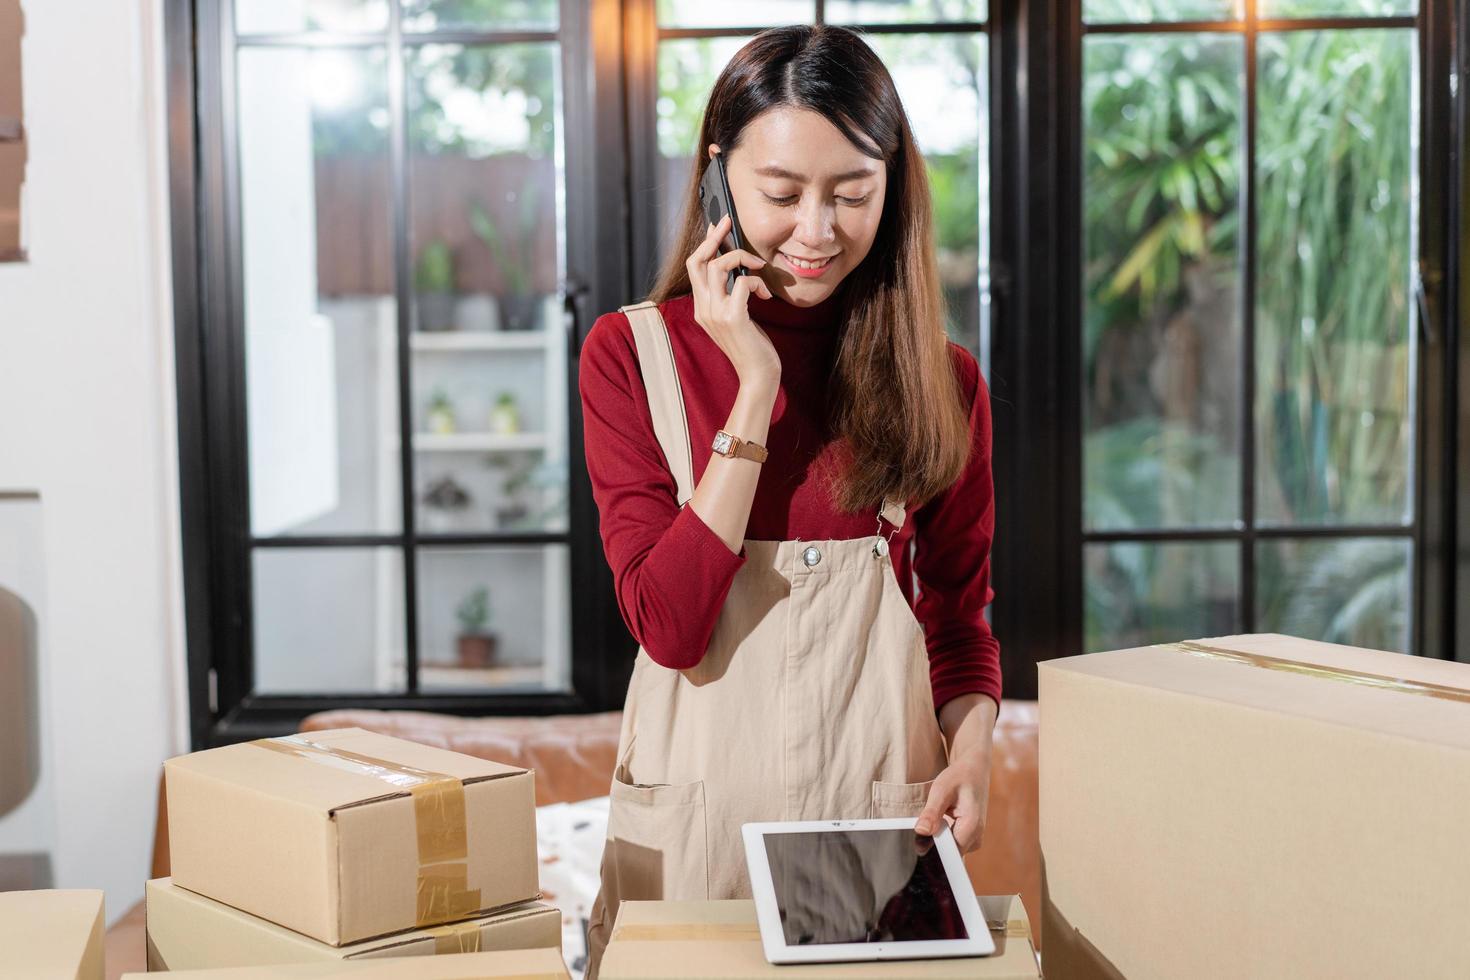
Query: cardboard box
[(1255, 806), (187, 931), (51, 935), (524, 964), (696, 939), (345, 835)]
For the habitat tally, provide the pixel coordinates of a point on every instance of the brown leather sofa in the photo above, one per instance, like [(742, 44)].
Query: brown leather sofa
[(573, 759)]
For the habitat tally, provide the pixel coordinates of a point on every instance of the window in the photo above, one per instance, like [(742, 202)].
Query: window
[(1249, 333), (385, 341)]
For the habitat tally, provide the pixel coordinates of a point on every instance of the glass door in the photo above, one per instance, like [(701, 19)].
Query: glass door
[(400, 192)]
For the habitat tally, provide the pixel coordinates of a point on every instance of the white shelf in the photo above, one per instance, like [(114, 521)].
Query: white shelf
[(479, 340), (478, 442)]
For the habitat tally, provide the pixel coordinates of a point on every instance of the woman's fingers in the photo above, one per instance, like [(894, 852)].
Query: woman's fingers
[(941, 799), (710, 247), (745, 285), (737, 257)]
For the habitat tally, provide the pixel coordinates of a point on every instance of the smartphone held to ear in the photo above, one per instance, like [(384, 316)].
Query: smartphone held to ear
[(714, 197)]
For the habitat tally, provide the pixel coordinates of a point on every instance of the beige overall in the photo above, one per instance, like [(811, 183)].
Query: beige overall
[(812, 702)]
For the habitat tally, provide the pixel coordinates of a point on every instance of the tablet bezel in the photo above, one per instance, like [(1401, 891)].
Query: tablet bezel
[(773, 937)]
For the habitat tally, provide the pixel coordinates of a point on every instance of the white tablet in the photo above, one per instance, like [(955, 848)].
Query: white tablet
[(833, 890)]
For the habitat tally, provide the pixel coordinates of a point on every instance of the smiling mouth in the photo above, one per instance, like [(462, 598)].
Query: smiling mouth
[(807, 263)]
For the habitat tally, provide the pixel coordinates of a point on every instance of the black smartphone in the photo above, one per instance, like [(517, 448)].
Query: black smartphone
[(714, 197)]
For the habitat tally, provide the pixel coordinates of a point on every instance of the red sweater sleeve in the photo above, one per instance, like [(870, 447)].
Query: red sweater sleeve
[(670, 571), (952, 538)]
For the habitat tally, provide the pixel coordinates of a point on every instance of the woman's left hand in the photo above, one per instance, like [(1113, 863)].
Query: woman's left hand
[(962, 790)]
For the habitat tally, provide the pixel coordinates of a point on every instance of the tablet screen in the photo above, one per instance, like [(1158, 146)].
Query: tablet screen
[(861, 886)]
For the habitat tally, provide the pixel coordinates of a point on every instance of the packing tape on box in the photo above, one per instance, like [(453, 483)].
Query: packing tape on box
[(686, 931), (1381, 681), (443, 891), (457, 937)]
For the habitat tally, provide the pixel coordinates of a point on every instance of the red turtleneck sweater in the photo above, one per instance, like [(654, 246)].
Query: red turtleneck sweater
[(672, 572)]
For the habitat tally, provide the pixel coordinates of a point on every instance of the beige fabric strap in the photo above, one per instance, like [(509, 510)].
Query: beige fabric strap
[(665, 397)]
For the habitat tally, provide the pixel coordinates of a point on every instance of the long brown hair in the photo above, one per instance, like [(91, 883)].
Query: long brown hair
[(896, 404)]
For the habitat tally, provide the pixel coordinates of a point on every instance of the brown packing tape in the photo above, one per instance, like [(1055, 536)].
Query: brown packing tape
[(459, 937), (1342, 674), (442, 889), (686, 931)]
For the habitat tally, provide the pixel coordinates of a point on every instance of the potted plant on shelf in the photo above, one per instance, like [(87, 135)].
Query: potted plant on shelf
[(505, 417), (514, 509), (476, 646), (512, 258), (445, 501), (434, 287), (441, 413)]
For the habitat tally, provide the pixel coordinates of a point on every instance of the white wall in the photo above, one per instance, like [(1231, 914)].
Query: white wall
[(87, 420)]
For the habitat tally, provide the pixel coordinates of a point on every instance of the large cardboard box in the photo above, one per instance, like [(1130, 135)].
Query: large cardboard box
[(1255, 806), (345, 835), (526, 964), (707, 939), (51, 935), (187, 931)]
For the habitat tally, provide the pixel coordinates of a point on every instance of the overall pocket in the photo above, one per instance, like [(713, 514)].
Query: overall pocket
[(656, 840), (892, 800)]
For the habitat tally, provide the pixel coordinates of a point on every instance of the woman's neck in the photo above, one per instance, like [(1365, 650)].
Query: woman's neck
[(777, 312)]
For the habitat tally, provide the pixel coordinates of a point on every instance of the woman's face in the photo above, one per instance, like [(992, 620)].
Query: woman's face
[(803, 192)]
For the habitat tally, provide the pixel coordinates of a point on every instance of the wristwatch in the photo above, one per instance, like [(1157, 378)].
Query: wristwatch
[(732, 446)]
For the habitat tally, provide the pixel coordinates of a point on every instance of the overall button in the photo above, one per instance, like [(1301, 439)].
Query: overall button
[(811, 556)]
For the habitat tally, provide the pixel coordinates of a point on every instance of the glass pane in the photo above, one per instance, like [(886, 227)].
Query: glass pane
[(942, 82), (1335, 8), (328, 620), (489, 354), (1138, 593), (750, 13), (687, 69), (903, 11), (1156, 11), (320, 319), (423, 16), (494, 620), (1334, 344), (287, 16), (1345, 590), (1161, 329)]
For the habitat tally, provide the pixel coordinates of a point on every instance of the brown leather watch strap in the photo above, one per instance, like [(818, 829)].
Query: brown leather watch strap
[(749, 450)]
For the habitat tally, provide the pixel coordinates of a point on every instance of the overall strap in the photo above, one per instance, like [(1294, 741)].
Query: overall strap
[(893, 512), (665, 397)]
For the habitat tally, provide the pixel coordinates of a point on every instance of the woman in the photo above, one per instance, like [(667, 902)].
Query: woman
[(782, 674)]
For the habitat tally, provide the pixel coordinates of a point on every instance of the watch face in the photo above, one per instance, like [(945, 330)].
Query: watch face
[(722, 442)]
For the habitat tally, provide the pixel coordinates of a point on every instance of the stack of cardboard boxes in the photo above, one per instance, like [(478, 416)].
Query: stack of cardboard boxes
[(346, 846)]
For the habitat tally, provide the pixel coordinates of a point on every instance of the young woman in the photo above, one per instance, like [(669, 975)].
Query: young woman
[(761, 462)]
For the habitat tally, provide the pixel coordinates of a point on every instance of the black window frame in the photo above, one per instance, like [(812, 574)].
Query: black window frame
[(609, 51)]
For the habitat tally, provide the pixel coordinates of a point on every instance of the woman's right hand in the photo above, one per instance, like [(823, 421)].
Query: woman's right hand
[(726, 318)]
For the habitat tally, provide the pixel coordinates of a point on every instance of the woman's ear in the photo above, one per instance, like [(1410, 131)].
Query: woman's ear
[(713, 149)]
